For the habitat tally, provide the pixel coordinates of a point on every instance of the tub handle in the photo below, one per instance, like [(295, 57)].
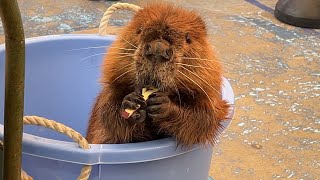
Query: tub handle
[(106, 16), (51, 124), (74, 135)]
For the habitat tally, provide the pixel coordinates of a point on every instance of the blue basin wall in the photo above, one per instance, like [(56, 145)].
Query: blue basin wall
[(61, 84)]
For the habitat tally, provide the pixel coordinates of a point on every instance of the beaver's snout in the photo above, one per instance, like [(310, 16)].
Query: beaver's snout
[(158, 51)]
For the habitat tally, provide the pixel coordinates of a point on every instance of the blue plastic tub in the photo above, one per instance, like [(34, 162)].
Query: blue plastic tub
[(61, 86)]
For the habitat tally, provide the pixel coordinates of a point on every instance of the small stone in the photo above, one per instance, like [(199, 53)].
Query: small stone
[(256, 146)]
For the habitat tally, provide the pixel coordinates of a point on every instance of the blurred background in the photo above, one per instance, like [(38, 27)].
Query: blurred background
[(274, 69)]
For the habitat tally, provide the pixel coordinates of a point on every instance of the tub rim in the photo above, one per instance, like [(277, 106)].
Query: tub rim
[(105, 153)]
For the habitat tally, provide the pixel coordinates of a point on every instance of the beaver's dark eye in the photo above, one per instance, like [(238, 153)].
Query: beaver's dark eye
[(188, 38), (139, 30)]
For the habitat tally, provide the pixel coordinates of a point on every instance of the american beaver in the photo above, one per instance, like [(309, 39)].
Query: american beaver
[(166, 47)]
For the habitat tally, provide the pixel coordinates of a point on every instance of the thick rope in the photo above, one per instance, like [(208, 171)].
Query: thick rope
[(74, 135), (40, 121), (25, 176), (106, 16)]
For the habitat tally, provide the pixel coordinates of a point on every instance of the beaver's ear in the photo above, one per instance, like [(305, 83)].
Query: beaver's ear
[(202, 23)]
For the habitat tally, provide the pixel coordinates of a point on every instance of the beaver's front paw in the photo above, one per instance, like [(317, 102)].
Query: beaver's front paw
[(158, 106), (134, 101)]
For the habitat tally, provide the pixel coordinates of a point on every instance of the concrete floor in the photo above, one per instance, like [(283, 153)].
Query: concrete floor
[(274, 70)]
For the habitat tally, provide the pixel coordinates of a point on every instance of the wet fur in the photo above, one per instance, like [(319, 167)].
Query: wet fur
[(189, 115)]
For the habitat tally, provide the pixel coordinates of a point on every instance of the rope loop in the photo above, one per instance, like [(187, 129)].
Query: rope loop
[(61, 128), (106, 16)]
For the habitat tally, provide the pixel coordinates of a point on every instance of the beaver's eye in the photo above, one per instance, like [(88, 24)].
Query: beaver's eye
[(188, 38), (139, 30)]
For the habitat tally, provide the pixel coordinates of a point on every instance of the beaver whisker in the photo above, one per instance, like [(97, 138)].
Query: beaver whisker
[(122, 53), (198, 86), (121, 75), (104, 54), (129, 55), (91, 47), (195, 58), (128, 42), (177, 90), (182, 64), (99, 47), (209, 60), (92, 56), (184, 85), (122, 48), (201, 79), (126, 66), (117, 69)]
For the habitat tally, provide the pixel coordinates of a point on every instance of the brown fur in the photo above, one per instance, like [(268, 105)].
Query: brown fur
[(191, 117)]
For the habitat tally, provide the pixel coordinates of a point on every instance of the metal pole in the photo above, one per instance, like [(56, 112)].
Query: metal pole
[(14, 88)]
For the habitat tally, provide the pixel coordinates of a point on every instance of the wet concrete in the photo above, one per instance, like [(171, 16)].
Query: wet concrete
[(274, 69)]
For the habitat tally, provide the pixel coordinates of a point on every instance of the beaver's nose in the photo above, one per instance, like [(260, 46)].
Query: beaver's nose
[(158, 50)]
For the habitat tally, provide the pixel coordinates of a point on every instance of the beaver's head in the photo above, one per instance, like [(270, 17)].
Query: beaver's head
[(163, 38)]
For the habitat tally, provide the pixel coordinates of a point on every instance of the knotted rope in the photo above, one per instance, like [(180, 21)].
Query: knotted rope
[(51, 124)]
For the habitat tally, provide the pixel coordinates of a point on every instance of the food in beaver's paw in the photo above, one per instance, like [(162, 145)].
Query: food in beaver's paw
[(146, 92)]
